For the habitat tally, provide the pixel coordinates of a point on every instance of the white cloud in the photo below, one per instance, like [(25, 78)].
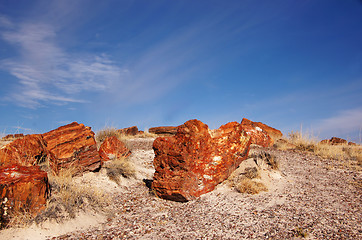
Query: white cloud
[(48, 73), (345, 123)]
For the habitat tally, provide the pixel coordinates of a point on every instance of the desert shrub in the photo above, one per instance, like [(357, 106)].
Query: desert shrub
[(268, 158), (349, 156), (251, 172), (299, 232), (247, 185), (68, 198), (119, 167), (102, 134)]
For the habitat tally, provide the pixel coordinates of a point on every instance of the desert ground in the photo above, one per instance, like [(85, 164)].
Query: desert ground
[(308, 197)]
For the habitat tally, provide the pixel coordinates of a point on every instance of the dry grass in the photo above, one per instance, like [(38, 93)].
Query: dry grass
[(119, 167), (267, 158), (348, 155), (102, 134), (247, 185), (68, 198)]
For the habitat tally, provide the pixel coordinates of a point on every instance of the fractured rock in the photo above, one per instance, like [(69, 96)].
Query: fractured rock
[(337, 141), (22, 190), (129, 131), (11, 137), (168, 130), (113, 148), (197, 159), (258, 135), (26, 151), (73, 145)]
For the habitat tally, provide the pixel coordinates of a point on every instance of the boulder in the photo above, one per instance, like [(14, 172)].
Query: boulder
[(73, 145), (258, 135), (337, 141), (129, 131), (22, 190), (11, 137), (168, 130), (26, 151), (113, 148), (197, 159)]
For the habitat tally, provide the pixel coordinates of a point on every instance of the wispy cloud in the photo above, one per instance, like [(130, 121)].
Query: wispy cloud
[(345, 123), (48, 73)]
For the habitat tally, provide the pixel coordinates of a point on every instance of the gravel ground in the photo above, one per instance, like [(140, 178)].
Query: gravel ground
[(313, 200)]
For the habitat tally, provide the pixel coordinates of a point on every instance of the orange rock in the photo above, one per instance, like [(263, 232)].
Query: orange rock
[(22, 189), (26, 151), (258, 135), (337, 141), (129, 131), (163, 130), (73, 145), (11, 137), (197, 159), (113, 148)]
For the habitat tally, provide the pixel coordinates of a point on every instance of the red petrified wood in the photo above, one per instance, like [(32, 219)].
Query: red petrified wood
[(168, 130), (261, 134), (113, 148), (197, 159), (26, 151), (22, 189), (129, 131), (73, 145)]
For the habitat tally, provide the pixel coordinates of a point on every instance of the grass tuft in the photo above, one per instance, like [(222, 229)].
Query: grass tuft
[(247, 185), (349, 156), (119, 167), (68, 198)]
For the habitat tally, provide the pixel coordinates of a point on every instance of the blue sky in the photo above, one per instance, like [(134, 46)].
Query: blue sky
[(151, 63)]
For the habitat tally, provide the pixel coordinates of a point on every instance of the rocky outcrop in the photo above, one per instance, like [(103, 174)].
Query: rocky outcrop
[(11, 137), (258, 135), (132, 131), (197, 159), (73, 145), (168, 130), (337, 141), (22, 189), (26, 151), (113, 148)]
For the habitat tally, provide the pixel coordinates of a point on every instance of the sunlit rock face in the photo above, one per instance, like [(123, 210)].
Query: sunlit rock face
[(166, 130), (113, 148), (26, 151), (22, 190), (260, 133), (196, 159), (73, 145)]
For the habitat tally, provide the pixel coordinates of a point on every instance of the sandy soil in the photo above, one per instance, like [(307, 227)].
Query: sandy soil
[(309, 197)]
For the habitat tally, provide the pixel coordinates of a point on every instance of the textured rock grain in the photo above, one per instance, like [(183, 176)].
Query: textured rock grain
[(197, 159)]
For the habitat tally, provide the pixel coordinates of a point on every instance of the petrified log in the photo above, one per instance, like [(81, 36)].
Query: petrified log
[(22, 190), (113, 148), (129, 131), (26, 151), (168, 130), (197, 159), (73, 145)]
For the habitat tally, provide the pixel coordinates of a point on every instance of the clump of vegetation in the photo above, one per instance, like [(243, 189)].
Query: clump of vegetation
[(247, 185), (251, 172), (102, 134), (119, 167), (299, 232), (267, 158), (349, 155), (247, 181), (68, 198)]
